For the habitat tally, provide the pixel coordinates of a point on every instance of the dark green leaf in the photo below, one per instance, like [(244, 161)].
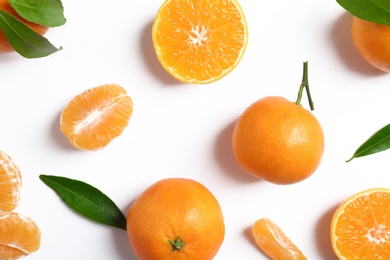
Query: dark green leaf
[(44, 12), (24, 40), (370, 10), (86, 200), (378, 142)]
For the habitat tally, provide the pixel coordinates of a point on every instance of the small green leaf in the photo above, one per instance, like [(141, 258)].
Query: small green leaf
[(86, 200), (371, 10), (44, 12), (378, 142), (23, 39)]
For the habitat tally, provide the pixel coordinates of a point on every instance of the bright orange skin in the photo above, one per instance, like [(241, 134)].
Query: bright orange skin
[(5, 46), (278, 141), (173, 208), (372, 40)]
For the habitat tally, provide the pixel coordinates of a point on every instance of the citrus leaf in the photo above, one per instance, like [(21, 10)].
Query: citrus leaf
[(86, 200), (378, 142), (370, 10), (44, 12), (384, 4), (23, 39)]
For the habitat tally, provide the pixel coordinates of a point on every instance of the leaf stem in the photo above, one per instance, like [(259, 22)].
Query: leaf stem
[(305, 85)]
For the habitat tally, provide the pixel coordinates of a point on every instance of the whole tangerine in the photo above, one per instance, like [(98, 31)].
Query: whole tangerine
[(278, 140), (372, 40), (5, 46), (176, 218)]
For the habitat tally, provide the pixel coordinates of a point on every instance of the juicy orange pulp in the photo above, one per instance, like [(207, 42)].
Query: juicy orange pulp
[(199, 41)]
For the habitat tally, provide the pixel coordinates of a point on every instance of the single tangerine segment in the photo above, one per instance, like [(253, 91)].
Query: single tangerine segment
[(10, 183), (199, 41), (176, 218), (94, 118), (272, 240), (360, 227), (19, 236), (5, 46)]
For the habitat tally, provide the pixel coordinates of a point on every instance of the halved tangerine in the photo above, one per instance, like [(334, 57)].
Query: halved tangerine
[(199, 41), (360, 227), (94, 118)]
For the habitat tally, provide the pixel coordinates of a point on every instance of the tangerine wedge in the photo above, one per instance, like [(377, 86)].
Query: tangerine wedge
[(10, 183), (199, 41), (19, 236), (272, 240), (94, 118), (360, 227)]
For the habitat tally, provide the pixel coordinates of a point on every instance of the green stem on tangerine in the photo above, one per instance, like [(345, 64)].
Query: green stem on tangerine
[(305, 85), (177, 244)]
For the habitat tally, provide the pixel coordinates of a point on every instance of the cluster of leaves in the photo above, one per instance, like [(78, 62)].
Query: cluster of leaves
[(23, 39), (377, 11)]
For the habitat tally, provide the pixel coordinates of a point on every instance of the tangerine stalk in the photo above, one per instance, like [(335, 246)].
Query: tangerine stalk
[(305, 85)]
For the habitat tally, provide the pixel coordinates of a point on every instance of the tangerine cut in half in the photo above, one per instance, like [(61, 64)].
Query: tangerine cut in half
[(94, 118), (199, 42), (10, 183), (360, 227), (272, 240), (19, 236)]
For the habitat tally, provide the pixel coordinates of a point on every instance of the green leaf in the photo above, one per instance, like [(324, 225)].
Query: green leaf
[(371, 10), (23, 39), (384, 4), (86, 200), (44, 12), (378, 142)]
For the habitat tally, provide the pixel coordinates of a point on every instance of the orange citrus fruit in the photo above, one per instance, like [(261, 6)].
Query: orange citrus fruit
[(5, 46), (278, 140), (10, 183), (360, 227), (199, 41), (272, 240), (94, 118), (19, 236), (176, 218), (372, 40)]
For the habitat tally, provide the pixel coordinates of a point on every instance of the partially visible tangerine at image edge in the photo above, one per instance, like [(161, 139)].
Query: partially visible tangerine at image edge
[(10, 183), (199, 42), (19, 236), (5, 46), (92, 119)]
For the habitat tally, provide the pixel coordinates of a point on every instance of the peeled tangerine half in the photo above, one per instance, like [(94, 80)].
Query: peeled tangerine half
[(94, 118), (360, 227), (19, 236), (10, 183), (271, 239)]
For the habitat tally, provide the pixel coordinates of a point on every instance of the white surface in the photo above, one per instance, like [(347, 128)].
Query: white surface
[(182, 130)]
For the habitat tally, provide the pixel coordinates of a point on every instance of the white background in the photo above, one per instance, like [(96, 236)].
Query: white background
[(179, 130)]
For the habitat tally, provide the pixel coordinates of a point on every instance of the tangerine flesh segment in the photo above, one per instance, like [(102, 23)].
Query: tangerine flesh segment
[(272, 240), (199, 41), (360, 227), (10, 183), (94, 118), (19, 236)]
